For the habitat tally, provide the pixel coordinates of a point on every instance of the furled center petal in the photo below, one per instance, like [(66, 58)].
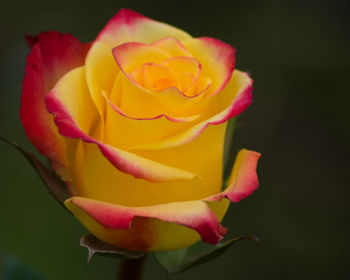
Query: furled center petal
[(161, 65), (131, 56), (157, 77), (179, 72)]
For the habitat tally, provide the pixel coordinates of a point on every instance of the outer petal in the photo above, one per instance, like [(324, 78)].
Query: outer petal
[(59, 102), (124, 131), (125, 26), (90, 169), (156, 227), (217, 59), (228, 104), (243, 180), (111, 223), (52, 55), (128, 26)]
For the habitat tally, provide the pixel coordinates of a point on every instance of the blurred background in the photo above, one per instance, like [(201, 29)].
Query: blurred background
[(298, 55)]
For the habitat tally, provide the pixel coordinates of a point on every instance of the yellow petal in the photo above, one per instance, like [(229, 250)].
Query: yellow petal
[(217, 59), (125, 26), (153, 228), (74, 117), (233, 100), (172, 46), (96, 178)]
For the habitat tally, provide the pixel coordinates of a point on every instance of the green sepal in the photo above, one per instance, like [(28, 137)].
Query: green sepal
[(180, 260), (98, 247), (57, 188)]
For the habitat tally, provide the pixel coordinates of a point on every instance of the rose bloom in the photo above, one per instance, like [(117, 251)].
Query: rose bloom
[(134, 123)]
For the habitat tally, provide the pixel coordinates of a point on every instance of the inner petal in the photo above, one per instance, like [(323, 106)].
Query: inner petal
[(199, 86), (134, 101), (172, 46), (158, 77), (131, 56), (186, 71), (184, 81), (183, 64)]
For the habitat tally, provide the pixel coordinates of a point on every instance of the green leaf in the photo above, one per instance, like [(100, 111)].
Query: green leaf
[(180, 260), (96, 246), (13, 269), (53, 183)]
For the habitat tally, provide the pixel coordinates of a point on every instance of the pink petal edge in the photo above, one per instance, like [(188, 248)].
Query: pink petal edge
[(201, 218), (244, 179), (52, 55)]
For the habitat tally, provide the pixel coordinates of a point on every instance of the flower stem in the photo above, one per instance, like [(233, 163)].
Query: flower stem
[(131, 269)]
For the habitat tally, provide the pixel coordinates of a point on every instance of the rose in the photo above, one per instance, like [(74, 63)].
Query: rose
[(134, 123)]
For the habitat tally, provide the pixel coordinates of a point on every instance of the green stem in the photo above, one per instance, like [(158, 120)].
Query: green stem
[(131, 269)]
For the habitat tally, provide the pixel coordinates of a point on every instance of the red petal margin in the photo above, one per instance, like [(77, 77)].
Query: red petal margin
[(243, 180), (217, 58), (101, 218), (52, 55), (123, 17), (192, 214), (127, 23)]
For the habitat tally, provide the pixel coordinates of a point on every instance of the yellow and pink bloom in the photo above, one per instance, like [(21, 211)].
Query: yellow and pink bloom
[(134, 123)]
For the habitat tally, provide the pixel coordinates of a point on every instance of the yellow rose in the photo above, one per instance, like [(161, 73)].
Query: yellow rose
[(134, 123)]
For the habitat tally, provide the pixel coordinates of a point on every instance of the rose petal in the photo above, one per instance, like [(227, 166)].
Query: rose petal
[(129, 26), (236, 97), (243, 180), (172, 46), (72, 92), (217, 59), (125, 26), (90, 168), (52, 55), (156, 227), (132, 131), (157, 77), (118, 224), (133, 100), (131, 56), (138, 103), (69, 119), (173, 119)]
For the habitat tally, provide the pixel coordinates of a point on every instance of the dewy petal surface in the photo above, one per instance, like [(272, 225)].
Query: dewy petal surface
[(52, 55), (71, 121), (125, 26)]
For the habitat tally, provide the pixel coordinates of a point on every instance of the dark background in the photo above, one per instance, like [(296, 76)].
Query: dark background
[(298, 55)]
